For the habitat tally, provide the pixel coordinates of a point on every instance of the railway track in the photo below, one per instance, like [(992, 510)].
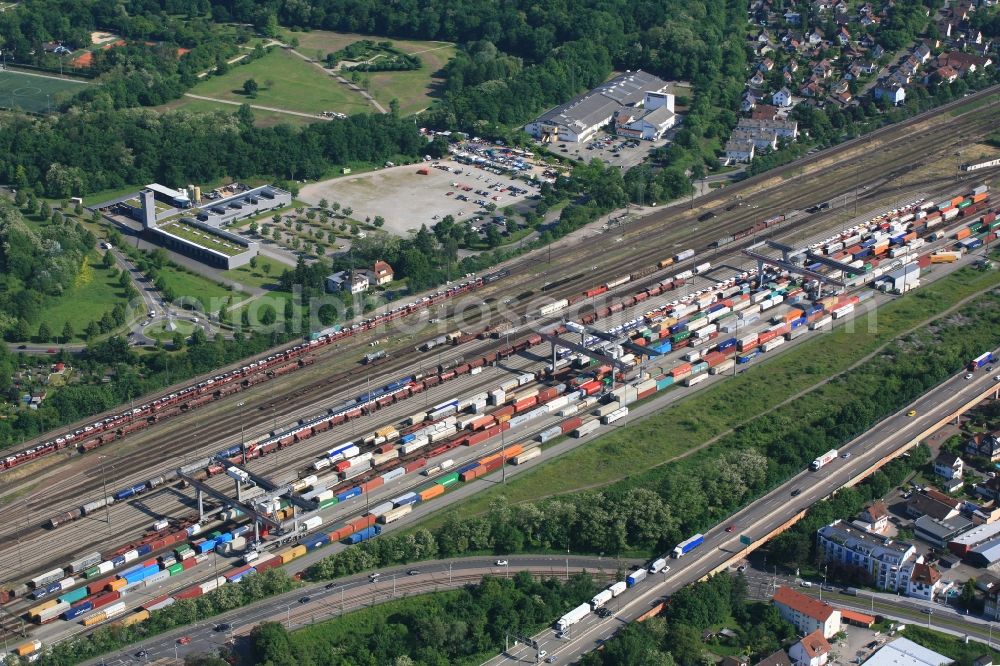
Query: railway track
[(648, 241)]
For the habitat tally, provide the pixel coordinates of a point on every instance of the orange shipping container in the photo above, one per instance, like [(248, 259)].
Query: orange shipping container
[(431, 492), (512, 451), (964, 232), (682, 369), (117, 584), (792, 315), (957, 200), (983, 196)]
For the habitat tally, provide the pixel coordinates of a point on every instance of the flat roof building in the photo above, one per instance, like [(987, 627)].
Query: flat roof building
[(905, 651), (220, 212), (578, 119)]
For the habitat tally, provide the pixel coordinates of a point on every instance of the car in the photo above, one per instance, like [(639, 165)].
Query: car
[(223, 626), (184, 640), (413, 572), (912, 412), (374, 576), (731, 528), (997, 378), (927, 611), (140, 654), (304, 600), (551, 660), (968, 375), (796, 492), (330, 586), (501, 563), (845, 456), (542, 653)]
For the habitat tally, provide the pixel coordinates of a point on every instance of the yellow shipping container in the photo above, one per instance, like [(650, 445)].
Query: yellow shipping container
[(134, 618), (298, 551), (95, 618), (35, 610), (117, 584), (388, 432), (503, 418), (285, 555), (25, 649)]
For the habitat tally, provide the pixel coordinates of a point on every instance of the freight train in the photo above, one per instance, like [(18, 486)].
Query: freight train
[(119, 425)]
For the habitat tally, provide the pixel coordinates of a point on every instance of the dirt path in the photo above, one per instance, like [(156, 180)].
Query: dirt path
[(311, 116)]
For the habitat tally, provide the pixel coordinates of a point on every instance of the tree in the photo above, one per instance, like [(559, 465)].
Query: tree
[(254, 228), (493, 238), (44, 334), (250, 88), (123, 279), (92, 331), (177, 341), (324, 204), (266, 268), (108, 260), (379, 222), (348, 211), (67, 332)]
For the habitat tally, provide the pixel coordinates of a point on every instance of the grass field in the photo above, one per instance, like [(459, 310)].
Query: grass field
[(683, 428), (203, 238), (95, 293), (286, 82), (261, 118), (189, 285), (35, 92), (415, 90), (256, 277)]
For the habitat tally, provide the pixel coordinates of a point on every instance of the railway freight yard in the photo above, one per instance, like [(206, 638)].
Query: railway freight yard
[(323, 453)]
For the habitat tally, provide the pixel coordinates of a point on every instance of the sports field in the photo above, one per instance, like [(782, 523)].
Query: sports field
[(37, 93)]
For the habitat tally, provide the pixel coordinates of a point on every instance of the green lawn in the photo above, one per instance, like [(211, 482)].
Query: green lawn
[(160, 332), (197, 236), (680, 429), (95, 293), (190, 285), (286, 82), (261, 117), (414, 89), (257, 277)]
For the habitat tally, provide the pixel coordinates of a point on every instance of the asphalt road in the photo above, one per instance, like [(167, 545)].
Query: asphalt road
[(320, 602), (759, 519)]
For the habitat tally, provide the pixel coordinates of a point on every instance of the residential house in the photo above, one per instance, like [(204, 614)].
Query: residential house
[(986, 582), (793, 17), (382, 273), (782, 98), (764, 112), (812, 650), (986, 445), (922, 53), (843, 36), (763, 37), (963, 63), (779, 658), (783, 129), (820, 7), (733, 661), (815, 38), (990, 488), (991, 608), (791, 67), (932, 503), (925, 582), (874, 517), (876, 51), (765, 65), (948, 465), (738, 151), (822, 69), (344, 281), (757, 80), (893, 92), (886, 562), (807, 614), (811, 89)]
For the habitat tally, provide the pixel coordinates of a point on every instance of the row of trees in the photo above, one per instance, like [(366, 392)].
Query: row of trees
[(445, 628)]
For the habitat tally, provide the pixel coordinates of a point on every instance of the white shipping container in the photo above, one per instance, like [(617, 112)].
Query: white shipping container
[(843, 311), (772, 344), (568, 411), (691, 380), (311, 523), (601, 598), (586, 428), (525, 456), (615, 415), (393, 474), (722, 367), (497, 397), (114, 609), (701, 268), (618, 587), (447, 464), (820, 323), (395, 514)]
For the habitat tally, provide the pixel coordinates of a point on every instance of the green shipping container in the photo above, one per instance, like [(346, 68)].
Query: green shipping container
[(215, 535), (182, 548), (328, 502), (976, 227), (965, 204), (448, 479), (683, 335), (175, 569), (284, 504), (92, 572), (74, 596)]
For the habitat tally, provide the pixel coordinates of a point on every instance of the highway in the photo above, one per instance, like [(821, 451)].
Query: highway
[(318, 602), (767, 514)]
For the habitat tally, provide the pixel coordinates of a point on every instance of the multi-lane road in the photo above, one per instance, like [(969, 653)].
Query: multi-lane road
[(757, 521)]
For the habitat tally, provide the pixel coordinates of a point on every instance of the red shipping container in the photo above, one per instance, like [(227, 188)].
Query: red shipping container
[(415, 465), (471, 474), (477, 438), (990, 217), (686, 342), (547, 394), (493, 465), (570, 424), (682, 369), (525, 404), (714, 358), (369, 486), (482, 422), (766, 336), (361, 522), (506, 410), (98, 586), (270, 564), (645, 394), (153, 602), (105, 599), (159, 544), (149, 563), (189, 563), (190, 593)]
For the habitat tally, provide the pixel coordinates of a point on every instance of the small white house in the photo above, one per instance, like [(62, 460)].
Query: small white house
[(949, 465), (812, 650), (782, 98)]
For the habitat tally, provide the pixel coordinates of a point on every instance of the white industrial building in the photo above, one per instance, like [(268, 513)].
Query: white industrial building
[(901, 279), (904, 651), (650, 122), (220, 212), (578, 119)]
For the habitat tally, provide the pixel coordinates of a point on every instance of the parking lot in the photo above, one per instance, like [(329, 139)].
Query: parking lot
[(610, 149), (406, 199)]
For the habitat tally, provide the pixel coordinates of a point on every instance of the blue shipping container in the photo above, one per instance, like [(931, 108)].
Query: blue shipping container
[(206, 546), (664, 383), (365, 534), (318, 541), (727, 344), (77, 611), (349, 493), (238, 577), (144, 549), (466, 468), (224, 538), (406, 439)]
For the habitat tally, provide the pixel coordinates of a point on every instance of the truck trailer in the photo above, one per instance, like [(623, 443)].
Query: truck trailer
[(685, 547), (572, 617), (824, 459)]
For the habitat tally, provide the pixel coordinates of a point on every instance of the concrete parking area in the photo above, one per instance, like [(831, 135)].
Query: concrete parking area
[(610, 149), (406, 198)]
